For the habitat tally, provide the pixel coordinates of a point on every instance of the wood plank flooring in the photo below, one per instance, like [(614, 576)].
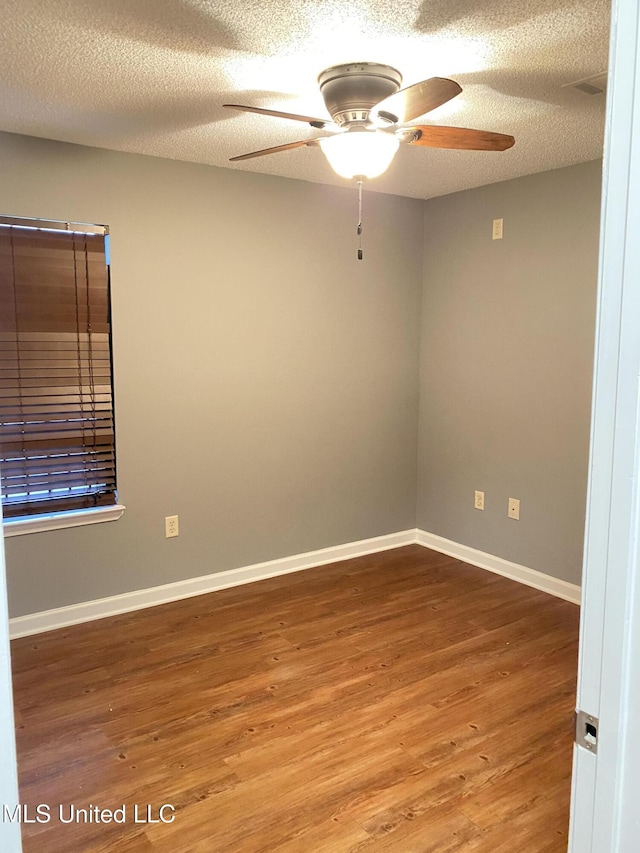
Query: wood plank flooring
[(402, 702)]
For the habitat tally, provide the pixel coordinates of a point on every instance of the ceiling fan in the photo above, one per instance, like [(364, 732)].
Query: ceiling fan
[(371, 116)]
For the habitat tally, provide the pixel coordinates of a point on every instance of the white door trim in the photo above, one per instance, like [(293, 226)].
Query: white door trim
[(9, 832), (604, 818)]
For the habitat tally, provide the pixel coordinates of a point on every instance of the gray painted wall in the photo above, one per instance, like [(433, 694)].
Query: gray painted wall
[(506, 366), (266, 381)]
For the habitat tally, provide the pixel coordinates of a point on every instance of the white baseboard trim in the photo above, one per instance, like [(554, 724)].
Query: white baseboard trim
[(86, 611), (514, 571)]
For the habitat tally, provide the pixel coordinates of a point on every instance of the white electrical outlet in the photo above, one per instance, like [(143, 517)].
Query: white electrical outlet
[(514, 509), (478, 501), (497, 229), (171, 528)]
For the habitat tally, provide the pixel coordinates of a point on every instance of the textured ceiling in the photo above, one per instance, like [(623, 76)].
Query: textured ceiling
[(150, 76)]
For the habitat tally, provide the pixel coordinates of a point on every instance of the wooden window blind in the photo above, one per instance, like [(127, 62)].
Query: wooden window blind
[(57, 442)]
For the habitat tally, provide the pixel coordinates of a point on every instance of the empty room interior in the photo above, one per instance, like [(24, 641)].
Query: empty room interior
[(329, 600)]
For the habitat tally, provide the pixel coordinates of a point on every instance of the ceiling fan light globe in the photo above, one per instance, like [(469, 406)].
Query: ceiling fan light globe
[(367, 153)]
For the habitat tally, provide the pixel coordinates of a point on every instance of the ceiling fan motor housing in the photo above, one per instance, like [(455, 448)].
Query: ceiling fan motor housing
[(350, 91)]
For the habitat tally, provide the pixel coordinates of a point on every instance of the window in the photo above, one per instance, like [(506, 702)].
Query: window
[(57, 442)]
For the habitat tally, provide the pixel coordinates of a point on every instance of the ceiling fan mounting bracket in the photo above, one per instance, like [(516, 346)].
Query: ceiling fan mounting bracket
[(409, 134), (350, 91), (385, 117)]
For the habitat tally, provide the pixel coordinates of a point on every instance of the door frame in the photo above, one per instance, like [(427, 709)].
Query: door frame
[(604, 813), (9, 797)]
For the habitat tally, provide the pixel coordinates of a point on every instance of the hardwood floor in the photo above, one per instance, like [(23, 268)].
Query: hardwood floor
[(398, 703)]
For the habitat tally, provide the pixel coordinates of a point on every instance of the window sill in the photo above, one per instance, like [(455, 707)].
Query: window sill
[(56, 521)]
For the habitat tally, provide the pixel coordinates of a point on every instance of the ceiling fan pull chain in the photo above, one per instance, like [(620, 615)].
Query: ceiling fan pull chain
[(360, 218)]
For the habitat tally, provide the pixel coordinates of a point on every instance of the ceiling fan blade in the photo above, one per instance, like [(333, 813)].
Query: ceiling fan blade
[(286, 147), (315, 122), (416, 100), (438, 136)]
